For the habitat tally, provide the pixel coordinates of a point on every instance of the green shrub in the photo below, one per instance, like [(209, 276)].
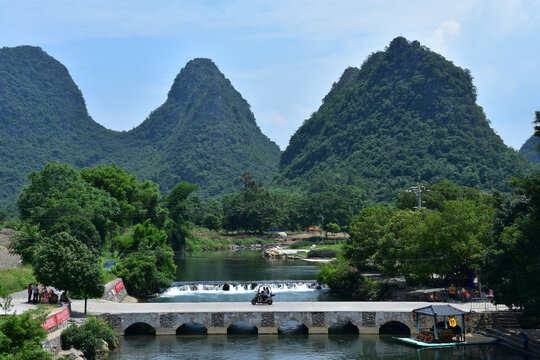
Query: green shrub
[(89, 337), (20, 337), (322, 253), (301, 244)]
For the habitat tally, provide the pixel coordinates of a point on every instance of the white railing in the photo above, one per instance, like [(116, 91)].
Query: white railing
[(485, 305)]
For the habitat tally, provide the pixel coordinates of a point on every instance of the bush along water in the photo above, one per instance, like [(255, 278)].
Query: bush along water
[(90, 338)]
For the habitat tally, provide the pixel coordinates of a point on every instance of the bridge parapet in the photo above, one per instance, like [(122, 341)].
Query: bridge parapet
[(267, 322)]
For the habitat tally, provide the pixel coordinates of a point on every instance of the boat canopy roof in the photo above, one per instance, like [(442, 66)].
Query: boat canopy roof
[(440, 310)]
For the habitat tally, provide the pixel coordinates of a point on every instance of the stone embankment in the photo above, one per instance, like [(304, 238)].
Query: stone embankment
[(7, 260), (279, 253), (250, 247), (293, 254)]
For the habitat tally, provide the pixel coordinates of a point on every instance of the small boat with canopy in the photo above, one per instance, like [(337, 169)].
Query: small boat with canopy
[(436, 336)]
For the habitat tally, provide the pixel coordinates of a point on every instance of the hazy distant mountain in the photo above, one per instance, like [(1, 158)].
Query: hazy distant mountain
[(530, 149), (406, 115), (204, 133)]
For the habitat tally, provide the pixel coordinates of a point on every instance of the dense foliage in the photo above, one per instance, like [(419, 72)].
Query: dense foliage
[(58, 199), (146, 261), (69, 216), (20, 337), (407, 115), (67, 264), (517, 242), (447, 241), (89, 338), (43, 117)]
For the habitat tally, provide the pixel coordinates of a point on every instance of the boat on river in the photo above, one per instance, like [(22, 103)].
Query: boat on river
[(450, 335)]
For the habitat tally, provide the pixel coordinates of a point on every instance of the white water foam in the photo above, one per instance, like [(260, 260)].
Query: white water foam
[(239, 288)]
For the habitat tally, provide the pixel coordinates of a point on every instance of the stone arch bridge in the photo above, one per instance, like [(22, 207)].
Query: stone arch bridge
[(317, 317)]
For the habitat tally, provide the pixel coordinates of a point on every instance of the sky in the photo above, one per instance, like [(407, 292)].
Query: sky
[(282, 55)]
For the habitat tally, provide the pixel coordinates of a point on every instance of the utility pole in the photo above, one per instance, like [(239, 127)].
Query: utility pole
[(418, 190)]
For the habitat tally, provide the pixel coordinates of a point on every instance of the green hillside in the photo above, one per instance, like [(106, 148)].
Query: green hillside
[(530, 149), (406, 115), (43, 117), (204, 133)]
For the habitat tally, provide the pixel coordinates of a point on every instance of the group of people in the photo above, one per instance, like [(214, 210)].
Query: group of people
[(463, 294), (40, 294), (265, 293)]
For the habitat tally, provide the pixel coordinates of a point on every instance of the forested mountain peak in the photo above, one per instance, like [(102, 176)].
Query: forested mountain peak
[(28, 74), (406, 115), (205, 133), (197, 76)]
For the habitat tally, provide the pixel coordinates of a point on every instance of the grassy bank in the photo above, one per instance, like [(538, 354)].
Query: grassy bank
[(217, 242), (13, 280)]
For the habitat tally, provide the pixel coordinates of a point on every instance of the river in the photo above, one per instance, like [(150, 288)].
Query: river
[(234, 276), (269, 347)]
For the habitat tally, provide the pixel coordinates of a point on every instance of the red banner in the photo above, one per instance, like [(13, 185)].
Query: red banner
[(119, 286), (62, 316), (49, 323)]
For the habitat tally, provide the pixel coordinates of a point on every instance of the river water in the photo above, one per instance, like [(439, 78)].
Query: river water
[(235, 276), (325, 347)]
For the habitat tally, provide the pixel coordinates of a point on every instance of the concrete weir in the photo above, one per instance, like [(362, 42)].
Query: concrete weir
[(217, 318)]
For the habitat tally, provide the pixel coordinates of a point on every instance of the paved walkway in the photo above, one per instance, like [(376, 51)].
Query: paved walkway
[(98, 306), (102, 306)]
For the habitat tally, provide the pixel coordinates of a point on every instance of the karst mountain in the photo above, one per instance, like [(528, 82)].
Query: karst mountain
[(407, 115)]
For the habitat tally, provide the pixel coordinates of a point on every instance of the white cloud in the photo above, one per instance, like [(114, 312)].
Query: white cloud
[(438, 41)]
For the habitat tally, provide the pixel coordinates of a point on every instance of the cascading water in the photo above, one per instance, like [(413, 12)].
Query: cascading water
[(211, 291)]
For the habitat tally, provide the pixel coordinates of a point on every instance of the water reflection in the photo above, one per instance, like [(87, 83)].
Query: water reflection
[(241, 266), (284, 347)]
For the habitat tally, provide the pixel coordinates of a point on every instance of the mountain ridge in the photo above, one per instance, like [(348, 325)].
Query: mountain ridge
[(43, 117)]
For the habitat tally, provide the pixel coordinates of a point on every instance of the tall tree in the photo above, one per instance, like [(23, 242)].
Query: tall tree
[(67, 264), (517, 242), (177, 227), (146, 261)]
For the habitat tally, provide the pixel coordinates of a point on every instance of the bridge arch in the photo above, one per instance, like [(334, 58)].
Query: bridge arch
[(343, 327), (394, 328), (139, 328), (242, 328), (293, 327), (191, 328)]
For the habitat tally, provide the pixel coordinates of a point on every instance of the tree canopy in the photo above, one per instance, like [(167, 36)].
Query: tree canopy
[(517, 242), (68, 264)]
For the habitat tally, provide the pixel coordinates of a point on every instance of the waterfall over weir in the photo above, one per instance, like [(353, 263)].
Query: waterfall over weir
[(209, 287), (215, 291)]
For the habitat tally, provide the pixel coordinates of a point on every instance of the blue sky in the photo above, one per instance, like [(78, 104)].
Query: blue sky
[(281, 55)]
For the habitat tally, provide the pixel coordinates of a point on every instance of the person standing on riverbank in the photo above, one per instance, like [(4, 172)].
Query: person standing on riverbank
[(452, 292), (35, 293), (29, 292)]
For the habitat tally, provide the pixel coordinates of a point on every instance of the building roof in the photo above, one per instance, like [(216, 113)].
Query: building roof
[(440, 310)]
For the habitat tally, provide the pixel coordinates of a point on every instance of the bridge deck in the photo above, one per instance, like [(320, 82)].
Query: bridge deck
[(102, 306)]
